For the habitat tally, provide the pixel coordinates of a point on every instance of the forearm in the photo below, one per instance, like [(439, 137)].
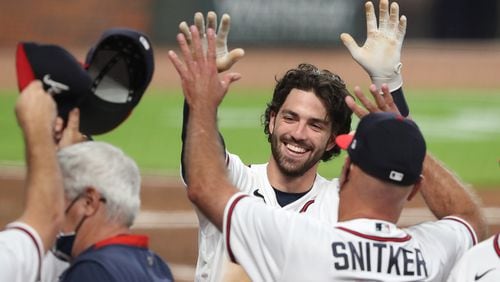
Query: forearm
[(185, 119), (45, 196), (208, 188), (400, 101), (446, 195)]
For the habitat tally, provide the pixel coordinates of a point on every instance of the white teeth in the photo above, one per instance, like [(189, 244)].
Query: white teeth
[(295, 149)]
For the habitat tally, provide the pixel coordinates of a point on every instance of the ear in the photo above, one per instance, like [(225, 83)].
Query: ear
[(344, 174), (331, 143), (415, 188), (91, 200), (272, 119)]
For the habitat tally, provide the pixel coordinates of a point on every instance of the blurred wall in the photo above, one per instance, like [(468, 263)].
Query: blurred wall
[(69, 23), (255, 22)]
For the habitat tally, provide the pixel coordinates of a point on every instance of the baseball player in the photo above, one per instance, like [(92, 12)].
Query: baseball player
[(383, 171), (290, 180), (481, 263), (24, 242)]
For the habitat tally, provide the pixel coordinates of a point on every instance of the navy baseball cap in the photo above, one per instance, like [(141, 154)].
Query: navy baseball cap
[(121, 66), (386, 146), (61, 74)]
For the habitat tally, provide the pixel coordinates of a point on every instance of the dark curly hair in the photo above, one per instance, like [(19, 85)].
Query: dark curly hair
[(327, 86)]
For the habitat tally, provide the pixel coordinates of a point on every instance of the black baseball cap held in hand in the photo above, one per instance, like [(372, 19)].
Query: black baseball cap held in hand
[(121, 66), (118, 70), (61, 74), (388, 147)]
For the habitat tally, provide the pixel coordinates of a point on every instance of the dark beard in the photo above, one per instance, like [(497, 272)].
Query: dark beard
[(286, 166)]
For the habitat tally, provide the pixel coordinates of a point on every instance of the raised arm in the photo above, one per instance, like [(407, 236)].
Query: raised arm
[(380, 55), (225, 59), (208, 186), (445, 195), (442, 190), (36, 114)]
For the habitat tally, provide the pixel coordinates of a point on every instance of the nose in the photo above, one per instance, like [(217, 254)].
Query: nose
[(300, 131)]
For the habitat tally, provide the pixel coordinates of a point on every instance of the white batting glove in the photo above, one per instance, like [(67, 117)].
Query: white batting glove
[(225, 59), (381, 54)]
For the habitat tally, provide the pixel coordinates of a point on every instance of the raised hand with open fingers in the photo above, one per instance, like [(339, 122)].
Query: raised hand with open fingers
[(201, 83), (225, 58), (383, 101), (380, 55)]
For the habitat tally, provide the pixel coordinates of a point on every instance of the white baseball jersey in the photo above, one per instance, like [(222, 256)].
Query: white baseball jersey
[(274, 245), (481, 263), (321, 202), (21, 251), (52, 268)]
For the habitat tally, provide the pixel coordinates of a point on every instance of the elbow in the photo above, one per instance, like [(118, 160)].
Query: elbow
[(194, 194)]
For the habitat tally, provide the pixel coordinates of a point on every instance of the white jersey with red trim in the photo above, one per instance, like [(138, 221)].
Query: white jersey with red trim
[(274, 245), (21, 251), (321, 202), (481, 263)]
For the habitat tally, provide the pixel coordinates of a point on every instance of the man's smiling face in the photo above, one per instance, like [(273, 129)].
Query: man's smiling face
[(301, 133)]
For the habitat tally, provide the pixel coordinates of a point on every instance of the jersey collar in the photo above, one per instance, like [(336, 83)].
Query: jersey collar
[(141, 241)]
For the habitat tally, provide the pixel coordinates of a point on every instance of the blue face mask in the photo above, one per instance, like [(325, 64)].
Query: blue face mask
[(64, 245)]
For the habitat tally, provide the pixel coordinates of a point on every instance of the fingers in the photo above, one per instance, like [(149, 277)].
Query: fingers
[(74, 120), (383, 14), (184, 29), (394, 16), (197, 47), (211, 56), (186, 52), (390, 105), (371, 19), (199, 22), (356, 109), (225, 24), (401, 29), (349, 43), (212, 20), (369, 105)]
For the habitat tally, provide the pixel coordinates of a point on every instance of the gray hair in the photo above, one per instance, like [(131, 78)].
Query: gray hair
[(108, 170)]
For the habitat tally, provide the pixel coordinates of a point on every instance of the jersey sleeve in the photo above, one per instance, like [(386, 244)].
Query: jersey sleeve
[(239, 174), (256, 236), (448, 238), (21, 250)]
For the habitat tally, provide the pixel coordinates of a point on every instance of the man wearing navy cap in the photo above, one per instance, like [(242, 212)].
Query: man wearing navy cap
[(387, 155)]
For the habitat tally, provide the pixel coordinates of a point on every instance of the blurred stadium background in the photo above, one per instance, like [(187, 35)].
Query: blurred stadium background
[(451, 59)]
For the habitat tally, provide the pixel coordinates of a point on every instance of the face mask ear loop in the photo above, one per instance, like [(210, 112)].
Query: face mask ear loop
[(72, 203)]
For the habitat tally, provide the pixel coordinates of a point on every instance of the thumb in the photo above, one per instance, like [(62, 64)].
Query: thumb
[(349, 43), (229, 78), (228, 61)]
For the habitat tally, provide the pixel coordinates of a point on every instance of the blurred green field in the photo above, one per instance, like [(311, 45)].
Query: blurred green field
[(462, 128)]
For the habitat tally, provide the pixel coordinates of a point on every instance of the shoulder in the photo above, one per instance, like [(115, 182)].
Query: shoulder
[(21, 250), (85, 269)]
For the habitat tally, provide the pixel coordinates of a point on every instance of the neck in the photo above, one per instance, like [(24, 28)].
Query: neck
[(93, 232), (363, 196), (290, 184)]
